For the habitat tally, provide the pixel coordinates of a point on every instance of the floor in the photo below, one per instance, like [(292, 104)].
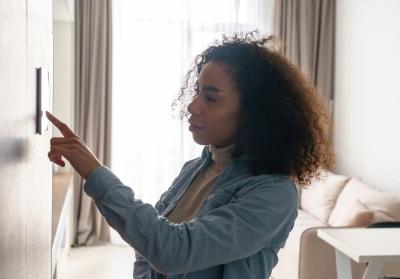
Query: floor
[(100, 262)]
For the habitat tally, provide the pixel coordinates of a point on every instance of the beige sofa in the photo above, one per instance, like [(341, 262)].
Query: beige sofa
[(334, 201)]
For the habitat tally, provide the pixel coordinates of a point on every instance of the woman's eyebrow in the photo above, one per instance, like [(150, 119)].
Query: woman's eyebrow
[(210, 88)]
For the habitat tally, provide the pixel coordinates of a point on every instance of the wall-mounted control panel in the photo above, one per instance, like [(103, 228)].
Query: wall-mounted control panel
[(43, 102)]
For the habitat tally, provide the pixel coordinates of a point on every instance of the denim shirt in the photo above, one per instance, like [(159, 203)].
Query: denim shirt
[(237, 232)]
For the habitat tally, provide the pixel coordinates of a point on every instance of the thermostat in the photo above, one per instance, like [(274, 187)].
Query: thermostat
[(42, 100)]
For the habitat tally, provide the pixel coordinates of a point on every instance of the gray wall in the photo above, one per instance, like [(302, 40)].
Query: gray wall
[(367, 89), (26, 42)]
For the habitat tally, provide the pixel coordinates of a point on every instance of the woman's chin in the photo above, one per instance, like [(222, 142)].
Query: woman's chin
[(200, 140)]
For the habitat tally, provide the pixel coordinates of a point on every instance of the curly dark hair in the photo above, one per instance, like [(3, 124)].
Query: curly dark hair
[(284, 126)]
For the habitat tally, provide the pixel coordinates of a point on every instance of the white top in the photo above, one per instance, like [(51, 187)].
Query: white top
[(364, 244)]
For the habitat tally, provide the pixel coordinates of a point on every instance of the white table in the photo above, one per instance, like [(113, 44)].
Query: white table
[(375, 246)]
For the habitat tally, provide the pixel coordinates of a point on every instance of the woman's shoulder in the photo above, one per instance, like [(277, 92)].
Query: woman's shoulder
[(266, 185), (269, 180)]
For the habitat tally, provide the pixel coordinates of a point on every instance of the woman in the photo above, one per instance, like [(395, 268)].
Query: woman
[(228, 212)]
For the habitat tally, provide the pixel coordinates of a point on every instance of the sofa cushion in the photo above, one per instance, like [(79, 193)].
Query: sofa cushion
[(384, 205), (320, 197), (357, 215), (306, 219), (359, 219)]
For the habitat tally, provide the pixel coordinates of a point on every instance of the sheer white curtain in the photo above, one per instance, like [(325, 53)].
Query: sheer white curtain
[(154, 44)]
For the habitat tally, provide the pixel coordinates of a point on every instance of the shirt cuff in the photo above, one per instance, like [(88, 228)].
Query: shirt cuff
[(99, 182)]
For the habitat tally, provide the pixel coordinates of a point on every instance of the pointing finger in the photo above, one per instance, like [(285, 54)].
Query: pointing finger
[(64, 129), (59, 140)]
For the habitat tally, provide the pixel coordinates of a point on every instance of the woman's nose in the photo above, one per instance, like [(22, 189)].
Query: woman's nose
[(195, 106)]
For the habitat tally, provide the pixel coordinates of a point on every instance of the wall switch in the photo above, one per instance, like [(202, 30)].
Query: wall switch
[(42, 100)]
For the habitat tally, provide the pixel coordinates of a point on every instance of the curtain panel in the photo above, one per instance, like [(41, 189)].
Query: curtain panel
[(93, 105)]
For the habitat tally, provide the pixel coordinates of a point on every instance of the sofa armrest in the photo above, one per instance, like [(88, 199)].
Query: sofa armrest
[(316, 257)]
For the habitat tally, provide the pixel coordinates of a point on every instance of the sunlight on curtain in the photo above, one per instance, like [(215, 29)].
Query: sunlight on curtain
[(153, 46)]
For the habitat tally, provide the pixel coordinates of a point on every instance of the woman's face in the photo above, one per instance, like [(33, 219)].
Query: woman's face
[(215, 109)]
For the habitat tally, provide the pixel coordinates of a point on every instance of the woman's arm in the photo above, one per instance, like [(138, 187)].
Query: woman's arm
[(260, 217), (141, 269)]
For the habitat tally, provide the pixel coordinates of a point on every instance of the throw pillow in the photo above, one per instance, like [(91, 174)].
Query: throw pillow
[(320, 197)]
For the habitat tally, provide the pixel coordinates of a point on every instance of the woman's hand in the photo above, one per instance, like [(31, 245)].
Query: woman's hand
[(72, 148)]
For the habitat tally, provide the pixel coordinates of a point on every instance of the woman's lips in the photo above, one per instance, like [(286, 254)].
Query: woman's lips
[(194, 128)]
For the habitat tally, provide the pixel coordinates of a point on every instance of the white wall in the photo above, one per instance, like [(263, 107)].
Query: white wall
[(26, 43), (63, 76), (367, 91)]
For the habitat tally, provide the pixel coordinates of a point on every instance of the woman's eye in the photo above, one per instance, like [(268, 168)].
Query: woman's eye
[(209, 99)]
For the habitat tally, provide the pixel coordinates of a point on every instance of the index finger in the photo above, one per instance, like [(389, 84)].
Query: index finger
[(64, 129)]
